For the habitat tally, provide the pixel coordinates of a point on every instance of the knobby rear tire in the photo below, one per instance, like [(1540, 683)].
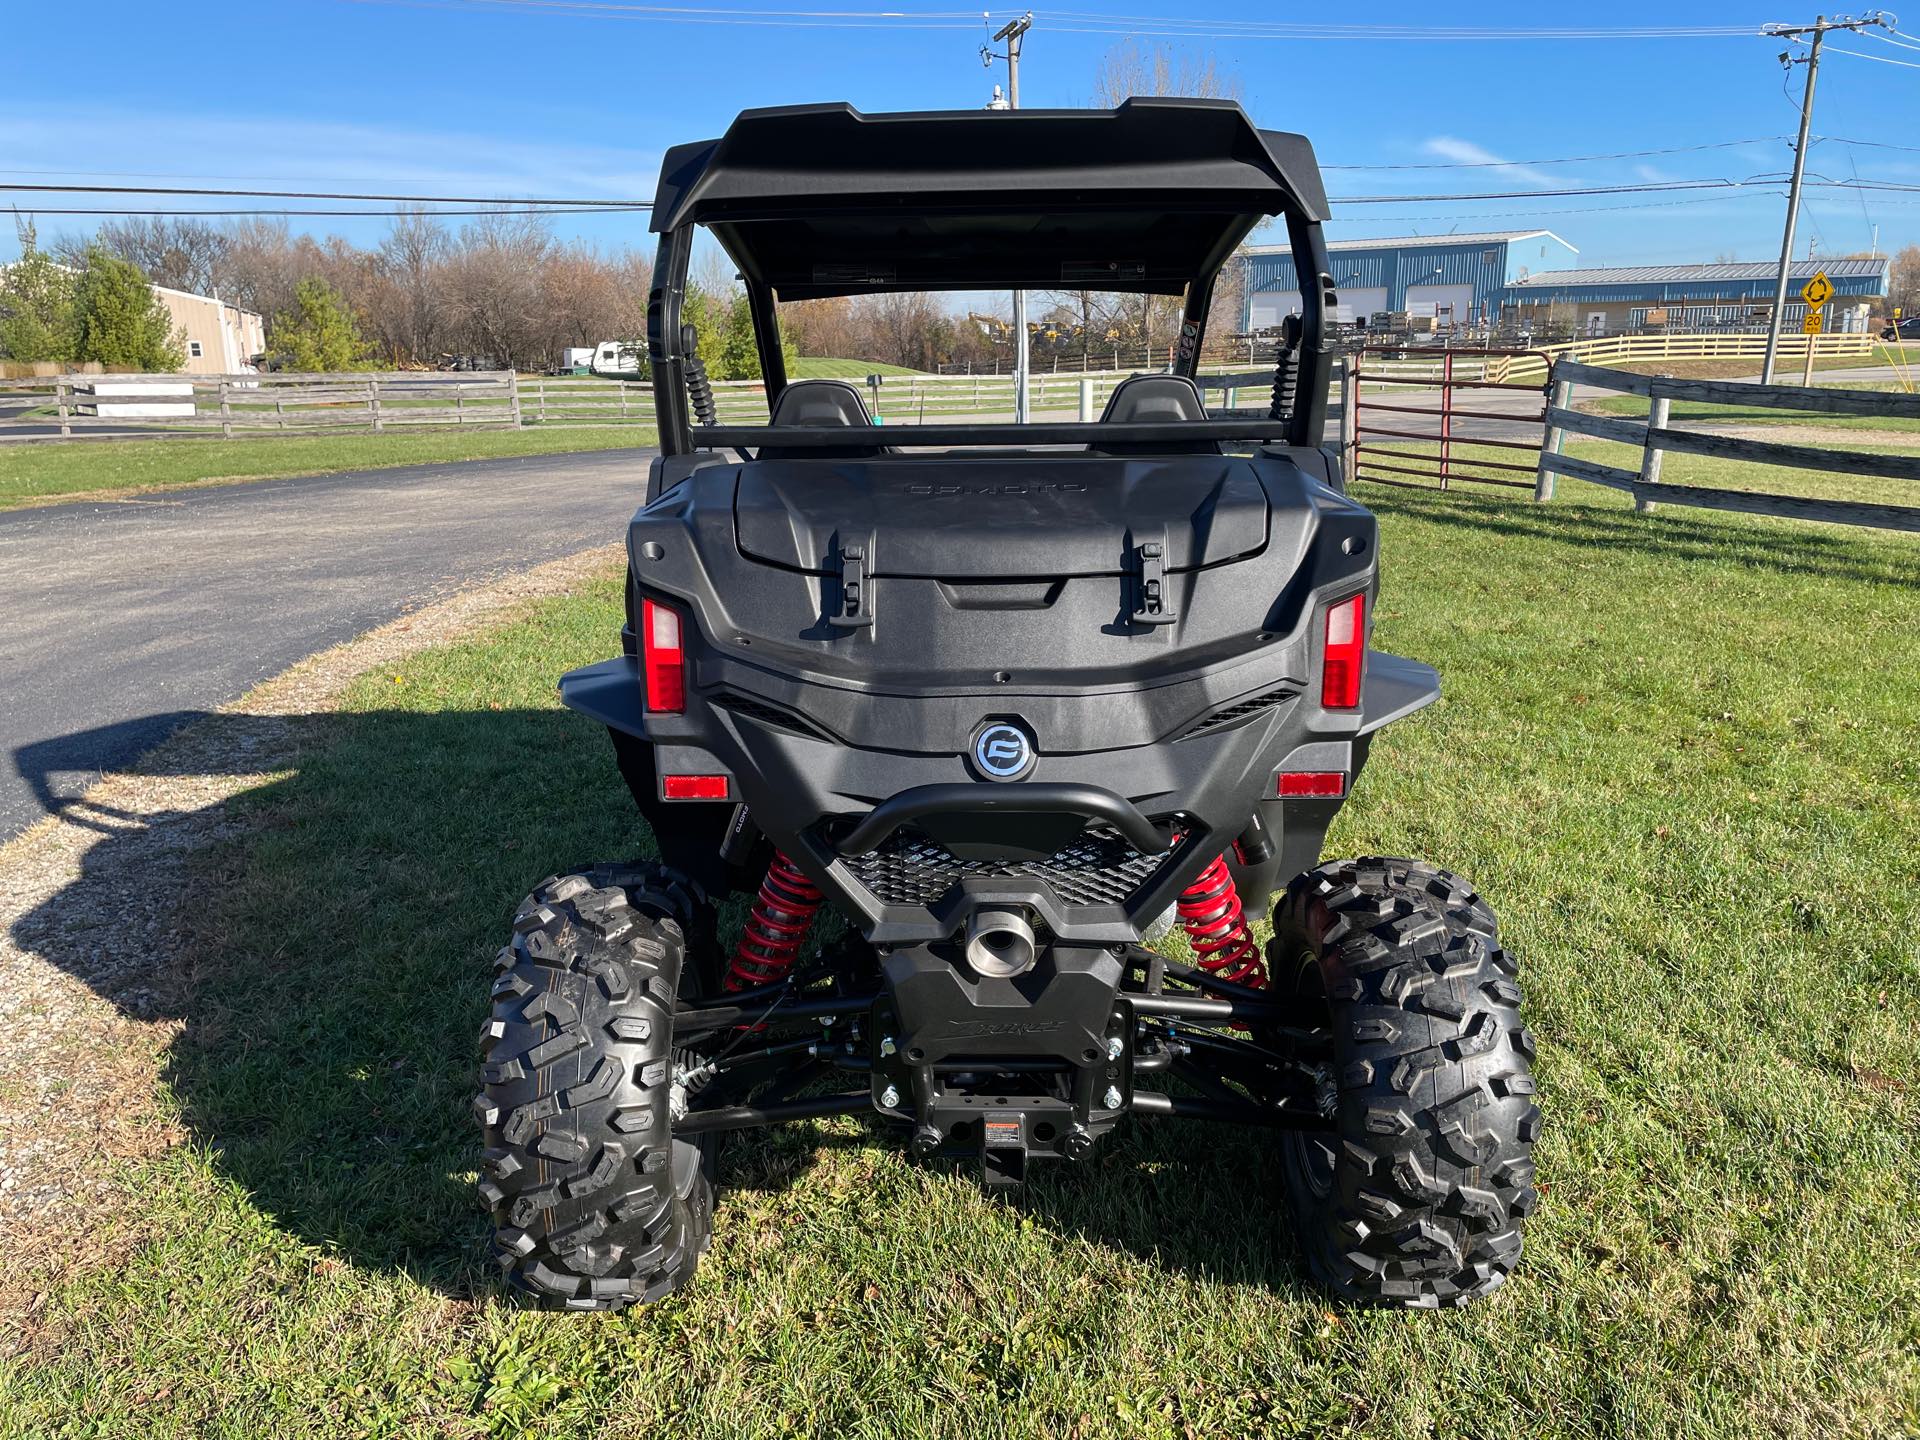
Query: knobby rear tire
[(595, 1206), (1417, 1197)]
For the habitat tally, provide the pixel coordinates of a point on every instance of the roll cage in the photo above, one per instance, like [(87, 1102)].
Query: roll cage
[(1153, 197)]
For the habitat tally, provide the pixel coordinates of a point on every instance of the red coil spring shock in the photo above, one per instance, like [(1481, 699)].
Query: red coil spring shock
[(1210, 914), (782, 913)]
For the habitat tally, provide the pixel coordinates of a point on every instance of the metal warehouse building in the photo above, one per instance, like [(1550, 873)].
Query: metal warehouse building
[(1690, 297), (1457, 279)]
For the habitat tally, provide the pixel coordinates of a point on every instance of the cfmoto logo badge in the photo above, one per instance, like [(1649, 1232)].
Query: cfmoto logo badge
[(1002, 751)]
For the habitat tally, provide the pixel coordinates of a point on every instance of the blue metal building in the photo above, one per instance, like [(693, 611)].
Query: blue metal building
[(1457, 279), (1690, 297)]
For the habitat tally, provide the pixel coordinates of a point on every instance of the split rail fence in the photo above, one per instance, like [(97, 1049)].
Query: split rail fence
[(127, 407), (1655, 436), (72, 407)]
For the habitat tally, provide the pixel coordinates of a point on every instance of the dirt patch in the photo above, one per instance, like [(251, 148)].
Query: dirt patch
[(81, 1053)]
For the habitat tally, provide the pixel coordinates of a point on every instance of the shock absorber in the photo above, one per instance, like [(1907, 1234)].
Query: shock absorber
[(1210, 913), (776, 928)]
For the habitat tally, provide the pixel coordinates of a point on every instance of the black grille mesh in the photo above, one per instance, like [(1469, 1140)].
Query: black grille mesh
[(768, 714), (1240, 710), (1097, 869)]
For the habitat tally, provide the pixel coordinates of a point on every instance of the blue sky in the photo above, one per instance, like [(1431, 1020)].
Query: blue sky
[(509, 97)]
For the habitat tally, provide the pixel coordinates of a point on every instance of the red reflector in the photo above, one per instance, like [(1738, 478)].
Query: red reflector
[(694, 787), (1317, 784), (1345, 649), (663, 661)]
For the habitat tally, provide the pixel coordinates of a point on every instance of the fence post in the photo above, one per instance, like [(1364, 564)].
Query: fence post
[(226, 411), (373, 404), (1650, 457), (513, 397), (1446, 417), (1086, 400), (1560, 399), (1349, 418), (62, 389)]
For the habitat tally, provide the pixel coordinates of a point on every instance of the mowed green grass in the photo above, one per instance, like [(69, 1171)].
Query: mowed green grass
[(53, 469), (822, 367), (1635, 407), (1678, 752)]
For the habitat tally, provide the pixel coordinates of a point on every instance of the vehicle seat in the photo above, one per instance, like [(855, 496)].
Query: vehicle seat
[(1151, 399), (826, 404)]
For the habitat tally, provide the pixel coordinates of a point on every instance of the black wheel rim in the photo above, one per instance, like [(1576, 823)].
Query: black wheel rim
[(1310, 1155)]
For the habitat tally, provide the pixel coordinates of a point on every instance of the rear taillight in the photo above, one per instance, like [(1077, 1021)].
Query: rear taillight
[(694, 787), (1311, 784), (663, 658), (1345, 648)]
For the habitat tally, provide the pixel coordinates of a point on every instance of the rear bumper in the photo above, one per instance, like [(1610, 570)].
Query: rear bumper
[(1395, 688), (610, 692)]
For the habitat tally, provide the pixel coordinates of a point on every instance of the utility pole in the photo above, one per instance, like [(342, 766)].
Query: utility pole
[(1011, 33), (1811, 60)]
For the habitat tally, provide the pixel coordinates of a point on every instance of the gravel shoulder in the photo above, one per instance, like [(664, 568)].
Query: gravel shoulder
[(81, 1054)]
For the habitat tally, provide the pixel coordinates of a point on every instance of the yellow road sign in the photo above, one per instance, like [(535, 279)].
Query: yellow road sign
[(1817, 291), (1811, 325)]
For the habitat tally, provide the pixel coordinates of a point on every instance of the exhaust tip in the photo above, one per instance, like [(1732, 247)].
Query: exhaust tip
[(1000, 944)]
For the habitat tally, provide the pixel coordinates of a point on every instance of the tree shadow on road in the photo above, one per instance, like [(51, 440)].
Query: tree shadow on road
[(326, 938)]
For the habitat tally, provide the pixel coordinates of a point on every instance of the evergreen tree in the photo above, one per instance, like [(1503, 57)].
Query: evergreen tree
[(36, 304), (119, 321), (320, 332)]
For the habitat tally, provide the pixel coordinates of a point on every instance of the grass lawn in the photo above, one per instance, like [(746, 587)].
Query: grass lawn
[(1786, 370), (1677, 752), (1635, 406), (54, 469), (817, 367)]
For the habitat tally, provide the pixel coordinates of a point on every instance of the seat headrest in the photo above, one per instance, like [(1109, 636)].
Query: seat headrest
[(1154, 398), (820, 402)]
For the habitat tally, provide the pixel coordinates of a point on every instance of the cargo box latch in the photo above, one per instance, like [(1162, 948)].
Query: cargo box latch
[(1150, 585), (856, 590)]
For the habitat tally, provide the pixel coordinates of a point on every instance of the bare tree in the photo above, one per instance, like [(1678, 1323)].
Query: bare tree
[(494, 286), (412, 266), (906, 327), (181, 254), (1130, 69), (1903, 285), (821, 327)]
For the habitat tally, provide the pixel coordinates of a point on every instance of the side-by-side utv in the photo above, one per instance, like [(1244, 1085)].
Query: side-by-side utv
[(1010, 701)]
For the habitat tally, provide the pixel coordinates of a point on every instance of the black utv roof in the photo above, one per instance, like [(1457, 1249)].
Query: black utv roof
[(817, 200)]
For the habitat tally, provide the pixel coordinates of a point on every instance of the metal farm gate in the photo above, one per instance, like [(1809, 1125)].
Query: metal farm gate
[(1409, 427)]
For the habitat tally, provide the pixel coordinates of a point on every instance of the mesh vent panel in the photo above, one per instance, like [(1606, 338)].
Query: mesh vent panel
[(1097, 869)]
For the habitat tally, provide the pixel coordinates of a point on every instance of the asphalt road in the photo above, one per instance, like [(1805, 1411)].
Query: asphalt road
[(122, 619)]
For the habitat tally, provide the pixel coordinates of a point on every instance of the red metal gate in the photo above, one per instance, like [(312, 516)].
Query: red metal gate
[(1429, 446)]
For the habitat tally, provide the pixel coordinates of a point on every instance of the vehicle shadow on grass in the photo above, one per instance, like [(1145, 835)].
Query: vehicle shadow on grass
[(326, 934)]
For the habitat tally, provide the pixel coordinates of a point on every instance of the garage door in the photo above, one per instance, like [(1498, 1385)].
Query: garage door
[(1271, 306), (1364, 302), (1449, 304)]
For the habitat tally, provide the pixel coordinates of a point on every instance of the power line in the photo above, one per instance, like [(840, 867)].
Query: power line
[(1745, 192), (797, 20), (340, 214), (1289, 29), (1563, 159), (1076, 23), (1877, 59), (599, 202)]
